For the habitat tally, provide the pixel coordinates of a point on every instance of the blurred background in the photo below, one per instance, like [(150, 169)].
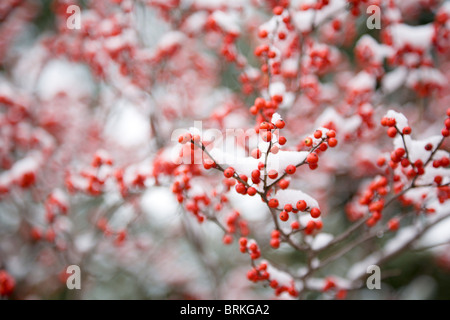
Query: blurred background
[(86, 145)]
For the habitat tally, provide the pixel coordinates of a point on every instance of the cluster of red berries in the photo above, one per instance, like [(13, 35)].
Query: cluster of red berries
[(330, 285), (119, 236), (392, 128), (250, 247), (235, 222), (261, 273), (373, 198)]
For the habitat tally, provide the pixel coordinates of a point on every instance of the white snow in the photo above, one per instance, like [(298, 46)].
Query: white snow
[(416, 36), (127, 125), (159, 205), (171, 39), (343, 125), (195, 22), (292, 196), (394, 79), (321, 240), (277, 88), (60, 76), (227, 21), (362, 81), (275, 117), (426, 75), (283, 278)]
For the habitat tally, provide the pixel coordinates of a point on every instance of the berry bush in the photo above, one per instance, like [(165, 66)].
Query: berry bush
[(258, 149)]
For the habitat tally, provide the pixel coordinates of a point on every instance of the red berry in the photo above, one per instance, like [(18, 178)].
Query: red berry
[(318, 224), (295, 225), (392, 132), (273, 203), (280, 124), (381, 161), (228, 172), (253, 247), (256, 153), (240, 188), (290, 169), (331, 134), (318, 134), (281, 140), (438, 180), (391, 122), (312, 158), (445, 132), (266, 136), (260, 103), (447, 123), (284, 184), (227, 239), (256, 174), (310, 227), (284, 216), (406, 130), (308, 142), (393, 224), (278, 10), (275, 243), (273, 174), (288, 207), (264, 125), (332, 142), (251, 191), (301, 205), (262, 33), (315, 212)]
